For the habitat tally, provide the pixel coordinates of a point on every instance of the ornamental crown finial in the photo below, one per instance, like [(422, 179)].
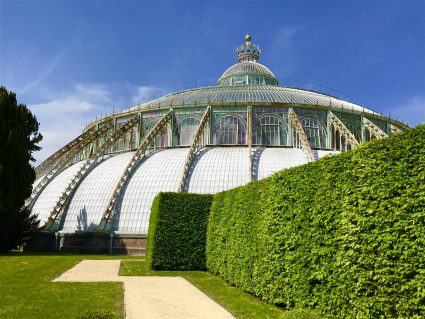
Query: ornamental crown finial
[(248, 37), (248, 51)]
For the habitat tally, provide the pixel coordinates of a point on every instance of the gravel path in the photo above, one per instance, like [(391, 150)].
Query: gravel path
[(150, 297)]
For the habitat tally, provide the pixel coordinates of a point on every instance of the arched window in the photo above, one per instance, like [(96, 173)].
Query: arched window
[(161, 139), (185, 130), (312, 130), (127, 141), (229, 129), (270, 131)]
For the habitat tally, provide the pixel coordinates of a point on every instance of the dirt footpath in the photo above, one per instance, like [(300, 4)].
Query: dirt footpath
[(150, 297)]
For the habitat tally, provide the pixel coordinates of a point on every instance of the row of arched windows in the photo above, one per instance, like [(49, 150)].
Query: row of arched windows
[(231, 129)]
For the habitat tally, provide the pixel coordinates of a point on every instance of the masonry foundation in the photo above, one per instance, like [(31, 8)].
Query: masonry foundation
[(88, 243)]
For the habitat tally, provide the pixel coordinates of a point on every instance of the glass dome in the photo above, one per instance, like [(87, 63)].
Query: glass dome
[(247, 71)]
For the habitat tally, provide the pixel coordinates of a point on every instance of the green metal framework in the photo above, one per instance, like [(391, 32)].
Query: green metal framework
[(249, 126), (55, 215), (373, 129), (394, 129), (59, 163), (300, 139), (248, 108), (250, 143), (138, 155), (199, 140), (343, 131)]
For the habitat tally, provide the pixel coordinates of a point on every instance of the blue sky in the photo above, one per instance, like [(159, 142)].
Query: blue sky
[(71, 61)]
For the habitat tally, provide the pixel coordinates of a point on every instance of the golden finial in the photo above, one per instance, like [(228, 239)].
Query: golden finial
[(248, 37), (248, 51)]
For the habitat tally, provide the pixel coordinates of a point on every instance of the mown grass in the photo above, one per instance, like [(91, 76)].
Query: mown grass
[(27, 290), (239, 303)]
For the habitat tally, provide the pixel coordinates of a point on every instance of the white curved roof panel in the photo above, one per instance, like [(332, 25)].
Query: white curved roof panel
[(213, 169), (159, 172), (219, 168), (272, 160), (322, 153), (91, 197), (51, 193)]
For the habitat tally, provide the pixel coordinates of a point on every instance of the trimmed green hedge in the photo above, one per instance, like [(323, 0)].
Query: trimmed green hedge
[(177, 231), (344, 235), (300, 314)]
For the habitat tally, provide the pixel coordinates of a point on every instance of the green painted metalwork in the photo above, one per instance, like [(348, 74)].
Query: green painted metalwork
[(199, 140), (299, 137), (339, 126), (54, 217), (373, 129), (65, 160), (139, 154)]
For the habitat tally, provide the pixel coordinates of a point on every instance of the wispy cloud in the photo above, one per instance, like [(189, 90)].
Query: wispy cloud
[(143, 94), (47, 71), (284, 38), (284, 46), (412, 110), (64, 116)]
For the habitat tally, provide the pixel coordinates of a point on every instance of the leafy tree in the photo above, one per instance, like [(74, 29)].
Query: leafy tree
[(18, 139)]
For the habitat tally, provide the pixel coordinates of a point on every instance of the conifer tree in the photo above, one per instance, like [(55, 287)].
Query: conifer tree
[(18, 140)]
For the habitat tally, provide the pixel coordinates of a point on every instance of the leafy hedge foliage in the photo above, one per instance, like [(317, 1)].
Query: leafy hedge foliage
[(344, 235), (300, 314), (177, 231)]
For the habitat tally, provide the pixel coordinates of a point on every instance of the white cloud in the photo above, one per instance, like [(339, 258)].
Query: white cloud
[(144, 93), (412, 111), (63, 117), (284, 38), (284, 46), (47, 71)]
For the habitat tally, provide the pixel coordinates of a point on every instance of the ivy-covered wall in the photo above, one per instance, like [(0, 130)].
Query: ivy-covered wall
[(344, 235), (177, 231)]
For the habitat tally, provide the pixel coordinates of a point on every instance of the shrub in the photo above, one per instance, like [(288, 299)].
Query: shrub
[(177, 231), (300, 314), (344, 235)]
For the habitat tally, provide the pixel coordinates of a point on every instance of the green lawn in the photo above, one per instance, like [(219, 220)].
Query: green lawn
[(239, 303), (26, 290)]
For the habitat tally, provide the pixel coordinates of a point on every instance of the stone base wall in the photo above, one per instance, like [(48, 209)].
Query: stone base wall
[(42, 241), (89, 243)]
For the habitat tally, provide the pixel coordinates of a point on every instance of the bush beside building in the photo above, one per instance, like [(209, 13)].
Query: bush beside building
[(344, 235), (177, 231)]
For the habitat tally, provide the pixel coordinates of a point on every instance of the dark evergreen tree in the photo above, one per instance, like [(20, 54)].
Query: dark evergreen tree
[(18, 140)]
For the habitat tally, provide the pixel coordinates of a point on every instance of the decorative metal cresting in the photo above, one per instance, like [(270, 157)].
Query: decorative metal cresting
[(197, 143), (300, 139), (373, 129), (107, 217), (55, 216), (343, 130), (61, 162), (248, 51)]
